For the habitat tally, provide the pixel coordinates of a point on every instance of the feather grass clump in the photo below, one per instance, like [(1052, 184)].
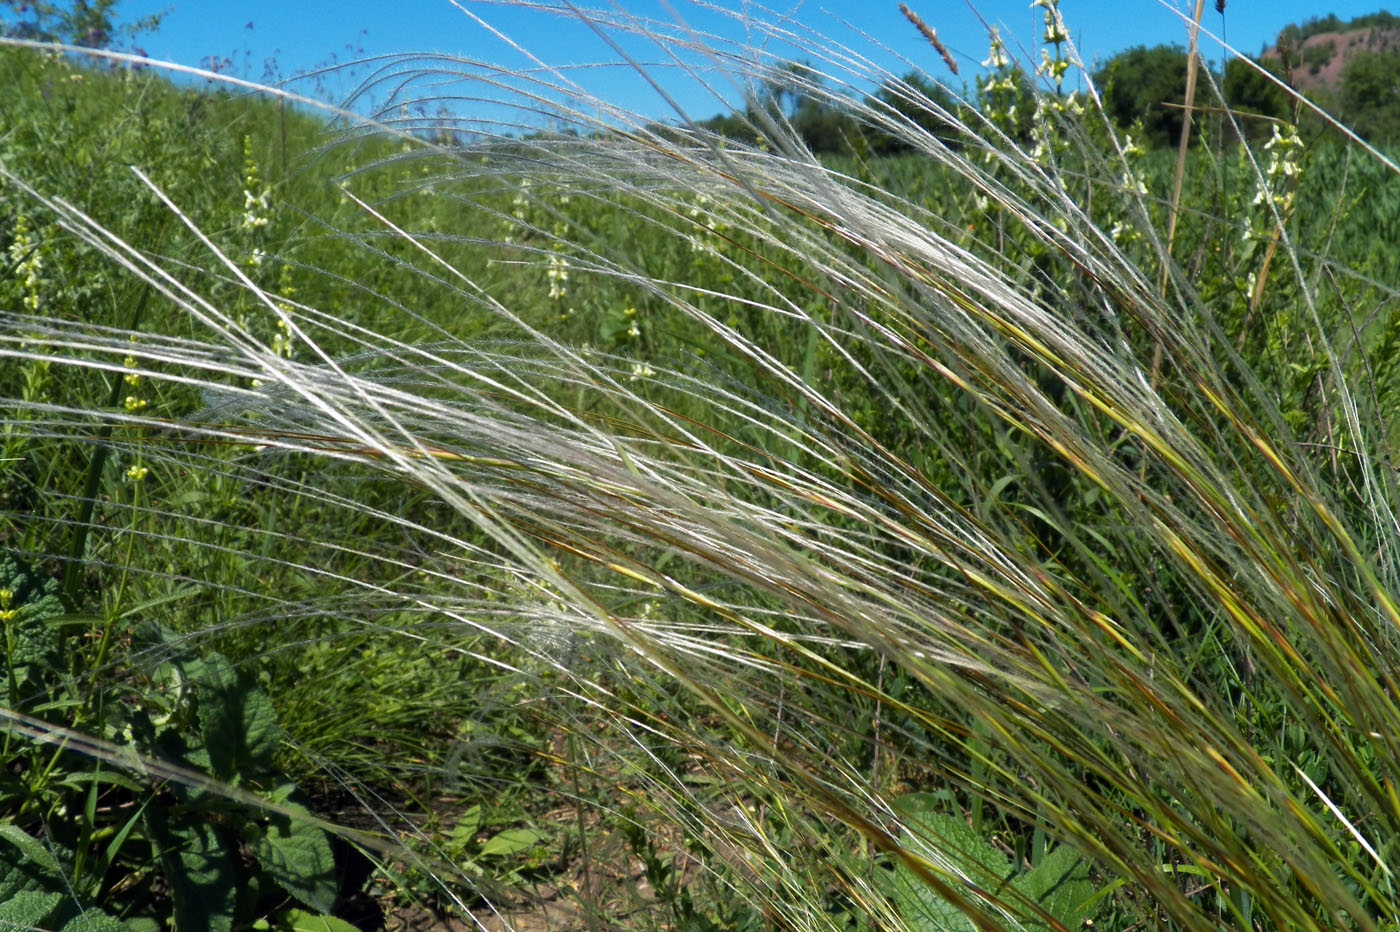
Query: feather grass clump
[(910, 543)]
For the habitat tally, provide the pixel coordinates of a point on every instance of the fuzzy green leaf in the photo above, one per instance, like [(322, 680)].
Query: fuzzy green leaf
[(28, 600), (297, 920), (1060, 883), (27, 909), (25, 863), (946, 841), (923, 909), (954, 839), (201, 872), (237, 719), (298, 856), (94, 920)]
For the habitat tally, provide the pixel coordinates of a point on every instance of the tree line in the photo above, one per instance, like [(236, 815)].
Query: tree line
[(1142, 89)]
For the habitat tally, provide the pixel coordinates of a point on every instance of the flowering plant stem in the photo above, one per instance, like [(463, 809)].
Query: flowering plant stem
[(77, 543)]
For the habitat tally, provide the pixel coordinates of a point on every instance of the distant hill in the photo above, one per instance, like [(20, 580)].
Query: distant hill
[(1349, 69), (1318, 50)]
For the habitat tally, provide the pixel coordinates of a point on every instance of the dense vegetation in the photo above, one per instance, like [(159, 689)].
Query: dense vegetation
[(661, 527), (1142, 91), (1145, 85)]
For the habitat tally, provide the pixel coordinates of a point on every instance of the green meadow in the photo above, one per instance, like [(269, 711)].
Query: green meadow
[(989, 526)]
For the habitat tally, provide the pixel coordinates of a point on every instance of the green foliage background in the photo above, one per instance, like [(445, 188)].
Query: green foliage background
[(646, 517)]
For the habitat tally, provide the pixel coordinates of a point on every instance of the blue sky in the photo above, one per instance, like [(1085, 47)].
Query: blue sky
[(296, 35)]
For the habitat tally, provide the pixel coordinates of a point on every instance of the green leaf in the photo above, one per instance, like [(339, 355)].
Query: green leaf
[(296, 920), (100, 776), (142, 609), (951, 837), (1060, 883), (114, 845), (74, 621), (511, 841), (94, 920), (32, 850), (236, 718), (20, 874), (298, 856), (946, 841), (27, 909), (28, 600), (922, 909), (465, 829), (201, 873)]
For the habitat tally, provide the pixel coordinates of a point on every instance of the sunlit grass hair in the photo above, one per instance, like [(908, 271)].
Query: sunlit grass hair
[(943, 492)]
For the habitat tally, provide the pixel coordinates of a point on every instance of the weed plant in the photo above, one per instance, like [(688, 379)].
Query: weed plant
[(931, 542)]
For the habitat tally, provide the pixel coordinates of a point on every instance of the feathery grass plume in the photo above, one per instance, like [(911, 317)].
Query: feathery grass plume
[(929, 33), (880, 579)]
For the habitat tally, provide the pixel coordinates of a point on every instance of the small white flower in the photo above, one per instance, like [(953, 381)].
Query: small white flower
[(1054, 68), (557, 273), (996, 57)]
